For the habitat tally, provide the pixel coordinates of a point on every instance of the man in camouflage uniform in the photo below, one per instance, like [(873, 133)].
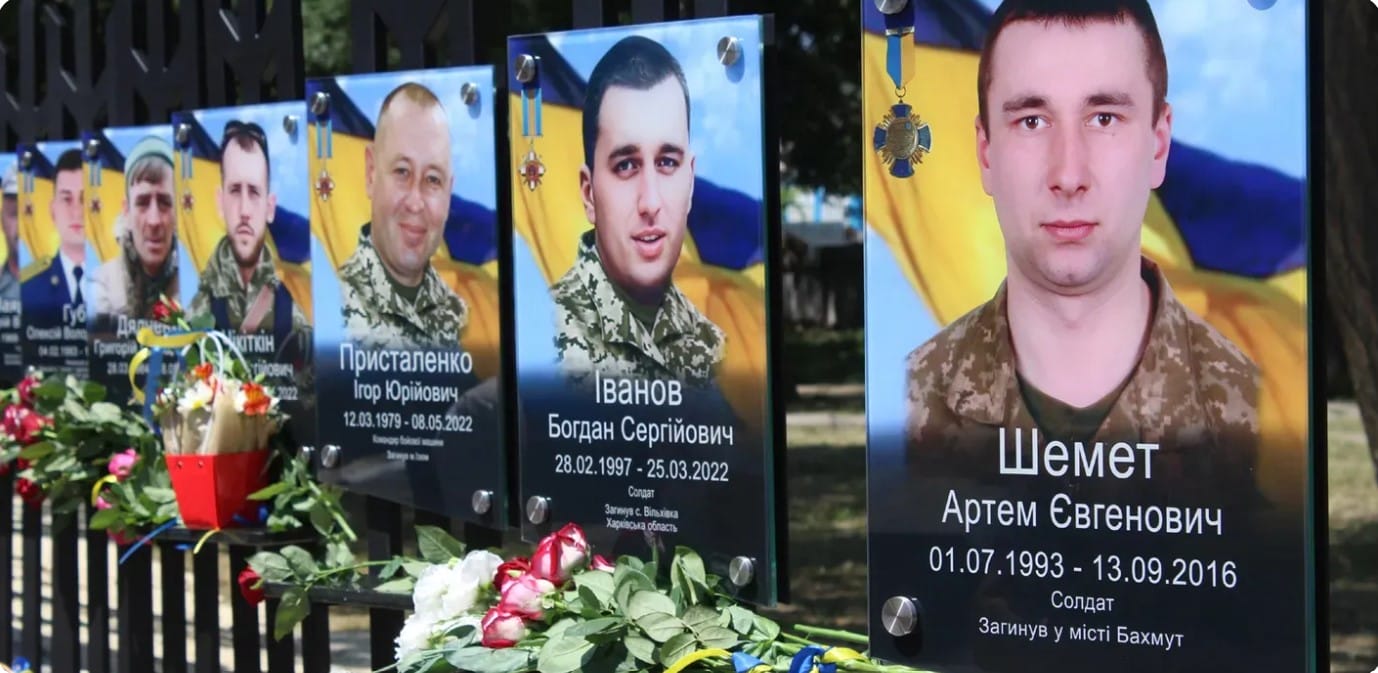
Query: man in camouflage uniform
[(239, 287), (617, 310), (1085, 339), (393, 297), (131, 282), (9, 268)]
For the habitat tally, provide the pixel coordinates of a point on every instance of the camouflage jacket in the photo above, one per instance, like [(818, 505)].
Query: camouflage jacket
[(595, 329), (221, 280), (122, 287), (1193, 393), (376, 317)]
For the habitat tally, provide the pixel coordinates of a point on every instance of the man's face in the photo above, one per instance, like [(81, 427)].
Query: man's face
[(1072, 151), (66, 210), (640, 187), (409, 182), (244, 200), (152, 220)]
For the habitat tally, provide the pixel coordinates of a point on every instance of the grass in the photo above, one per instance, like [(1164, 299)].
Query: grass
[(1353, 550)]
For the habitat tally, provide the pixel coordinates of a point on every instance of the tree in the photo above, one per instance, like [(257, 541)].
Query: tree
[(1351, 243)]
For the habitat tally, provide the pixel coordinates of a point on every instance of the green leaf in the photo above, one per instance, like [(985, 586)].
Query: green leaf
[(269, 491), (92, 392), (661, 627), (769, 629), (692, 565), (321, 519), (643, 603), (102, 519), (719, 637), (292, 608), (415, 568), (596, 627), (36, 451), (700, 617), (563, 655), (105, 412), (300, 561), (160, 495), (401, 585), (338, 555), (484, 660), (597, 583), (742, 619), (436, 546), (391, 568), (675, 648), (641, 648), (271, 566)]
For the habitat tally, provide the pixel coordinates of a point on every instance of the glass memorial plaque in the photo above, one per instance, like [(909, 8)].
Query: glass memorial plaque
[(640, 267), (131, 217), (244, 237), (53, 257), (1086, 336), (11, 360), (405, 251)]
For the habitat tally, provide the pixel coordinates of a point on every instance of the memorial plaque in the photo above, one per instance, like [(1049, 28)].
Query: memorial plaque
[(245, 242), (131, 215), (11, 359), (1086, 336), (405, 252), (640, 267), (52, 234)]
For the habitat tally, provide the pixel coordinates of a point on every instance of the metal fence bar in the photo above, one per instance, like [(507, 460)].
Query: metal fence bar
[(244, 618), (7, 558), (172, 571), (97, 599), (65, 599), (281, 653), (315, 640), (135, 580), (31, 639), (205, 600), (383, 523)]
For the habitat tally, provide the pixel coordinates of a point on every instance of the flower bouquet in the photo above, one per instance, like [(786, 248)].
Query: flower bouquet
[(216, 422)]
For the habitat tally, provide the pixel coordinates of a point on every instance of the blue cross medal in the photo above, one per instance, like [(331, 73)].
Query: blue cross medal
[(902, 139)]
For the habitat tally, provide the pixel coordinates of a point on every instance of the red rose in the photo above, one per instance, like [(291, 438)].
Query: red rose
[(523, 595), (247, 579), (509, 571), (21, 464), (23, 424), (25, 388), (600, 563), (502, 629), (560, 554), (30, 492), (120, 539), (166, 310)]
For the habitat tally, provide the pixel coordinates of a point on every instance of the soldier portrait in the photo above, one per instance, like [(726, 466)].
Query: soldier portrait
[(144, 267), (9, 218), (1085, 338), (61, 281), (239, 288), (617, 309), (393, 295)]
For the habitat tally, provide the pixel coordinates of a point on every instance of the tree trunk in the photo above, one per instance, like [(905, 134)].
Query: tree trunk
[(1351, 195)]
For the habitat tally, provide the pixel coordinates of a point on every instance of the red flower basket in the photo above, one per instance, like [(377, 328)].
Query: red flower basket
[(212, 489)]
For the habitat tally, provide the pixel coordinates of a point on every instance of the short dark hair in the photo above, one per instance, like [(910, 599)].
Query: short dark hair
[(634, 62), (68, 161), (246, 135), (1076, 13)]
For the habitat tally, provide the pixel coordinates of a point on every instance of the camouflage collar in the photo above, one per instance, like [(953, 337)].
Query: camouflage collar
[(221, 275), (145, 290), (367, 264), (1163, 372), (677, 318)]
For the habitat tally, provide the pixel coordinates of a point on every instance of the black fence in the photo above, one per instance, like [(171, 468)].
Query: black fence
[(89, 64)]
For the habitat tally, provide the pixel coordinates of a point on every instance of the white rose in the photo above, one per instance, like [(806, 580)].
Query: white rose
[(417, 634), (474, 571), (429, 595)]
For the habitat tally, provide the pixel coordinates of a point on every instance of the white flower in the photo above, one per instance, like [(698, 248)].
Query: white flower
[(418, 633), (429, 594), (196, 397), (474, 571)]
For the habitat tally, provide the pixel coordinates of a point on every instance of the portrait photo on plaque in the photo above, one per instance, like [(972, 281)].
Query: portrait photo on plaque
[(404, 250), (11, 359), (131, 215), (53, 257), (244, 237), (1086, 334), (640, 267)]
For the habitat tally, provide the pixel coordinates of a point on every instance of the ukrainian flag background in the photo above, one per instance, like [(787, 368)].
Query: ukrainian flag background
[(37, 234), (468, 256), (1228, 226), (722, 267), (7, 162), (200, 227)]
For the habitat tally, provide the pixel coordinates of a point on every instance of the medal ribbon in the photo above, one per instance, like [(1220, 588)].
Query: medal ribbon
[(531, 104), (93, 171), (899, 60)]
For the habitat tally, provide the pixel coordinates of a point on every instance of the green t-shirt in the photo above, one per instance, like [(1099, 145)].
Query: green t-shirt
[(408, 293), (1064, 421), (644, 313)]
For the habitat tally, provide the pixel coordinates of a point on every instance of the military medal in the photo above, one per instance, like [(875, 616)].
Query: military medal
[(184, 165), (26, 178), (93, 176), (325, 144), (530, 169), (902, 138)]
